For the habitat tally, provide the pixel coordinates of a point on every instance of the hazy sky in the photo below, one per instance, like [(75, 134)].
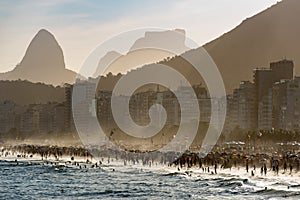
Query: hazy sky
[(81, 25)]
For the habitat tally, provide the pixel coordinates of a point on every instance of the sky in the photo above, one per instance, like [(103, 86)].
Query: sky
[(81, 25)]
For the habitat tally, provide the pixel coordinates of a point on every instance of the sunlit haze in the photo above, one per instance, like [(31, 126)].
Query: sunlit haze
[(79, 26)]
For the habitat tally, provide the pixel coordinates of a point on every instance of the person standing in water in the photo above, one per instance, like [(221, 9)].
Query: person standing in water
[(291, 168), (247, 166), (284, 166), (216, 166), (265, 169)]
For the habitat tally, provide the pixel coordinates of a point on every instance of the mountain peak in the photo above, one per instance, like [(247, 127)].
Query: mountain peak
[(43, 52), (172, 40), (44, 31), (42, 62)]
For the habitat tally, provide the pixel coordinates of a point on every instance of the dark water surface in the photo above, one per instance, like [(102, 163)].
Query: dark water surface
[(27, 180)]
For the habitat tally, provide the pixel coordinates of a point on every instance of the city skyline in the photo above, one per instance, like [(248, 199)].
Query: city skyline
[(269, 101)]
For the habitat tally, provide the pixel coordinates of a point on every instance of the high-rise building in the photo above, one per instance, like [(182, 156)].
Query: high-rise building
[(282, 70), (84, 104), (241, 107), (30, 120), (7, 116), (264, 118), (286, 104), (246, 106), (104, 112), (59, 118), (69, 122), (231, 114), (264, 80)]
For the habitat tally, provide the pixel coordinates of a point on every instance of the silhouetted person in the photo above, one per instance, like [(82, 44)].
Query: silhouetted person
[(216, 166), (200, 164), (265, 169), (284, 166), (180, 163)]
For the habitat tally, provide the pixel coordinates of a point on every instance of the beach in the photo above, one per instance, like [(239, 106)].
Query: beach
[(32, 177)]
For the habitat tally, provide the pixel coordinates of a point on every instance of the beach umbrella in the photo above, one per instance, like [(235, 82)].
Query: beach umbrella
[(292, 156), (250, 157), (263, 160), (259, 134)]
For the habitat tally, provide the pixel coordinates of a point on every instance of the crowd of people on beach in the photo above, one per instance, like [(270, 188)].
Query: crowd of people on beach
[(92, 157), (287, 162), (45, 151)]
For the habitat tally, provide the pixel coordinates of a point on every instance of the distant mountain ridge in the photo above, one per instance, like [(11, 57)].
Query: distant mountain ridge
[(266, 37), (271, 35), (154, 46), (25, 92), (42, 62)]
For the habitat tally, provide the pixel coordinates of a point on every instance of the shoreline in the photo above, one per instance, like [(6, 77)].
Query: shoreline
[(286, 182), (68, 161)]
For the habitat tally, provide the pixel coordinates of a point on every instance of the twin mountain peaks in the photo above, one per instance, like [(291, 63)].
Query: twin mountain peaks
[(266, 37)]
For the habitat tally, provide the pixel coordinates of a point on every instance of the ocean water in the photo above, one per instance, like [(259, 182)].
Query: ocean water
[(30, 180)]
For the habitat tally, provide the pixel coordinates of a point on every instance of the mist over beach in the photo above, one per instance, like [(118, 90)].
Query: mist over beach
[(150, 100)]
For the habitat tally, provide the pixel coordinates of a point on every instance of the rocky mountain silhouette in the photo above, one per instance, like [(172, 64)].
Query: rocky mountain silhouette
[(269, 36), (266, 37), (42, 62), (152, 47)]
